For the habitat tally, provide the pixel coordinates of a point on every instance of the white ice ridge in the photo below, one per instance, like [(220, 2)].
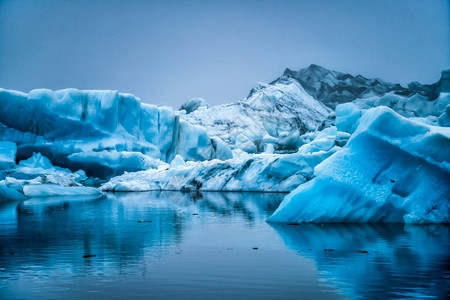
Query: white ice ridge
[(392, 169), (71, 125), (274, 114)]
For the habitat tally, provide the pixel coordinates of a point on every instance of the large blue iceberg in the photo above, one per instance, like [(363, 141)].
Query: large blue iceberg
[(392, 169), (90, 129)]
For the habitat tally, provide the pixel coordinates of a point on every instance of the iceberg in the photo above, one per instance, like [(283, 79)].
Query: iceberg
[(73, 127), (37, 176), (392, 169), (10, 193), (39, 166), (50, 190), (274, 114)]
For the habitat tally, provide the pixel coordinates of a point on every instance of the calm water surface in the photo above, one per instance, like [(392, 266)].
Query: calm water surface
[(203, 246)]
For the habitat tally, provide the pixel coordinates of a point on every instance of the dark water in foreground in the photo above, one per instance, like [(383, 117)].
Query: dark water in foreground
[(201, 247)]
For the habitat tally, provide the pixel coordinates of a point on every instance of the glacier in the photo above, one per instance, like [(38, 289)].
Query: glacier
[(88, 129), (392, 169)]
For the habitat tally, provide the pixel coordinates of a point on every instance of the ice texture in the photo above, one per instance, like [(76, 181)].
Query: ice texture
[(48, 190), (10, 193), (39, 171), (265, 172), (68, 125), (274, 114), (7, 155), (392, 169)]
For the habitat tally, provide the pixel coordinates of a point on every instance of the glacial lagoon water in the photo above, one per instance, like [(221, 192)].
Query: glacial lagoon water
[(170, 245)]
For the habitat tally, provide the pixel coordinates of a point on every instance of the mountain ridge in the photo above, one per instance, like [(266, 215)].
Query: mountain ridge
[(335, 87)]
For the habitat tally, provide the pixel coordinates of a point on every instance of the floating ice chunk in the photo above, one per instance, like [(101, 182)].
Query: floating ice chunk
[(7, 155), (347, 116), (39, 165), (391, 170), (10, 193), (48, 190)]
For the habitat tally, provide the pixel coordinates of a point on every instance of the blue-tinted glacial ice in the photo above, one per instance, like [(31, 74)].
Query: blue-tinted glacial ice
[(392, 169), (74, 128), (275, 114), (37, 177), (49, 190), (7, 155), (264, 172)]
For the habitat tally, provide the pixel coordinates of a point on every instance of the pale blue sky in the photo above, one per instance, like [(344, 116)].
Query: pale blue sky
[(166, 52)]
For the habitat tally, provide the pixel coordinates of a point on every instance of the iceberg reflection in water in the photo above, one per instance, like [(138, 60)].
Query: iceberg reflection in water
[(164, 245), (376, 260)]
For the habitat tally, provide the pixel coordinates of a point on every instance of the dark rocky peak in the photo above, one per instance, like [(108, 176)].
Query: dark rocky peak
[(333, 87)]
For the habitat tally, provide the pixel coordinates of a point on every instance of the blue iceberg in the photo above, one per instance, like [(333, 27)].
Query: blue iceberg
[(392, 169)]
